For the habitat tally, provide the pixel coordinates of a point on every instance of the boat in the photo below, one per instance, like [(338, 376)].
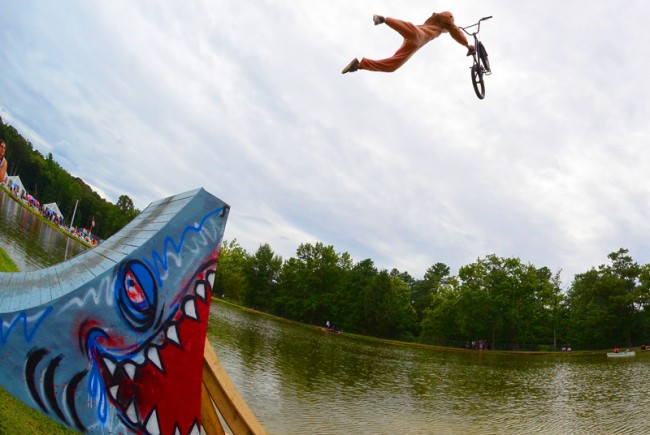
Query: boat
[(114, 340), (625, 354)]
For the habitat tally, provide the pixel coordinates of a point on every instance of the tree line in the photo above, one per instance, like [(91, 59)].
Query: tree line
[(500, 301), (47, 181)]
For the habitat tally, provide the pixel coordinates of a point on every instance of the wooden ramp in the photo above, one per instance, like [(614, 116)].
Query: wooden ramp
[(113, 340)]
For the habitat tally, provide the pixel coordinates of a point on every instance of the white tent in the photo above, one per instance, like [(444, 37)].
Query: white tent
[(15, 179), (54, 208)]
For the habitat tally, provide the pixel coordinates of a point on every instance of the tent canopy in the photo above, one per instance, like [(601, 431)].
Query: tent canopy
[(54, 208), (15, 179)]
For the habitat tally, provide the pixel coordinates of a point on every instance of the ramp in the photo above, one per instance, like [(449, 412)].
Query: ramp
[(113, 340)]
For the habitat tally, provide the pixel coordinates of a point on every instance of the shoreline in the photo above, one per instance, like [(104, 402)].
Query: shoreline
[(558, 353), (40, 216)]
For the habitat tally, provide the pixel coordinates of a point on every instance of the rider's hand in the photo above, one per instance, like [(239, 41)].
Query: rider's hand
[(471, 48)]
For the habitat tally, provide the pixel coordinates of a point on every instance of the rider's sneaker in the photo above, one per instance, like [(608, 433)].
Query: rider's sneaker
[(378, 19), (488, 71), (351, 67)]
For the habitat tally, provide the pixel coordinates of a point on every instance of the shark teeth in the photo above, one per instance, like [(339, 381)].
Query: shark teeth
[(172, 335), (154, 357), (110, 365), (200, 290), (132, 413), (189, 308), (129, 368), (151, 423), (114, 390)]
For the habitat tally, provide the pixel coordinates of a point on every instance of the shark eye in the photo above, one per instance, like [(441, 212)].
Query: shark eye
[(133, 289), (136, 293)]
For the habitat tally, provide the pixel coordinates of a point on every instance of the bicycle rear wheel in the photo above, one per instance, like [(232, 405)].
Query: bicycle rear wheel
[(477, 81)]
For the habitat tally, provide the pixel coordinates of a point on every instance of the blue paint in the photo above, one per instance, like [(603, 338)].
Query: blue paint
[(27, 334), (177, 248)]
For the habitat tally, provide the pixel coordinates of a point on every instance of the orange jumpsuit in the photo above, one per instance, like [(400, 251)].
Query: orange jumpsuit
[(415, 37)]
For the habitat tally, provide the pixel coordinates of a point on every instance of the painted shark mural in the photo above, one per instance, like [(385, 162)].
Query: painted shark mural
[(112, 341)]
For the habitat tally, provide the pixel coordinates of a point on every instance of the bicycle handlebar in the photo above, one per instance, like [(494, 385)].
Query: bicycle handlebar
[(477, 24)]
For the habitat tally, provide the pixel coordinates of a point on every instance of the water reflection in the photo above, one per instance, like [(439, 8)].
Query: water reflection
[(29, 241), (298, 381)]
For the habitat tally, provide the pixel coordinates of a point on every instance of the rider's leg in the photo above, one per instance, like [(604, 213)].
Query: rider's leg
[(412, 43)]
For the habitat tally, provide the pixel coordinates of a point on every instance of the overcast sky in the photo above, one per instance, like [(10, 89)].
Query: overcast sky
[(246, 99)]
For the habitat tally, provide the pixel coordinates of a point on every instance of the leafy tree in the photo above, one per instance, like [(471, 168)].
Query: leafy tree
[(440, 321), (262, 274), (126, 206), (607, 305), (348, 311), (423, 290), (230, 279)]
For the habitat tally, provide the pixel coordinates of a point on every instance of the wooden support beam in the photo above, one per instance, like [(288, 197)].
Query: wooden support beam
[(209, 416), (220, 389)]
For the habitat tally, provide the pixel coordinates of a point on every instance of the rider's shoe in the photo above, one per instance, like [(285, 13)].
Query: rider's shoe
[(378, 19), (351, 67)]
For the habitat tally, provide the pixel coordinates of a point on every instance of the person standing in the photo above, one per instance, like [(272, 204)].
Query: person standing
[(415, 37), (3, 161)]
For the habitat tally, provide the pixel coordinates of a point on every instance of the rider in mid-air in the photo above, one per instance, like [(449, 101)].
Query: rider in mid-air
[(415, 37)]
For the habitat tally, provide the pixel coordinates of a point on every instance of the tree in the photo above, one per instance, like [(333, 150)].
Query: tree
[(348, 310), (230, 280), (607, 304), (262, 275), (126, 206), (423, 290)]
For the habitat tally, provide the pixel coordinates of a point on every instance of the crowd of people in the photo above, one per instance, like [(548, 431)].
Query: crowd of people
[(477, 345), (19, 193)]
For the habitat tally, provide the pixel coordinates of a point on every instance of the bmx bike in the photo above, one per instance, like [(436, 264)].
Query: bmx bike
[(481, 65)]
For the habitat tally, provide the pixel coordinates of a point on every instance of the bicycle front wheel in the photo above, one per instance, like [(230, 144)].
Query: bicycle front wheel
[(477, 81)]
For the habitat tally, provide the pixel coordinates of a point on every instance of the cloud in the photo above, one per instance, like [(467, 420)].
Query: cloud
[(246, 99)]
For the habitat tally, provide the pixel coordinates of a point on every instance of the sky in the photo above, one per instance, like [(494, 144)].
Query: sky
[(246, 99)]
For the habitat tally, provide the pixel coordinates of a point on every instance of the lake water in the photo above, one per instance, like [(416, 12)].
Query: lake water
[(31, 243), (298, 380)]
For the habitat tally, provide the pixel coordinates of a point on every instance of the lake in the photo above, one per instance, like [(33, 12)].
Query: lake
[(300, 380), (31, 243)]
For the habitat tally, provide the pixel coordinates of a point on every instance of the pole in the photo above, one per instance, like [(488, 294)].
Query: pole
[(73, 213)]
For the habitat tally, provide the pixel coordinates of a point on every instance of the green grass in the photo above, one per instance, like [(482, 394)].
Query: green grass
[(15, 416), (18, 418), (6, 264)]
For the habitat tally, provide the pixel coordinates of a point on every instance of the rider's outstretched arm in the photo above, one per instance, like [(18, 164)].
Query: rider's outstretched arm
[(457, 34)]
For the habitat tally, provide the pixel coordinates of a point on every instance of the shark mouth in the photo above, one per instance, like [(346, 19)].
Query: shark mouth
[(157, 388)]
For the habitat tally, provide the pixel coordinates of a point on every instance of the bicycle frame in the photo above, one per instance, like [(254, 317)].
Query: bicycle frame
[(478, 68)]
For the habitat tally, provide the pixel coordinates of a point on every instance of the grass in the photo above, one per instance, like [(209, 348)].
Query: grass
[(18, 418), (15, 416), (6, 264)]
